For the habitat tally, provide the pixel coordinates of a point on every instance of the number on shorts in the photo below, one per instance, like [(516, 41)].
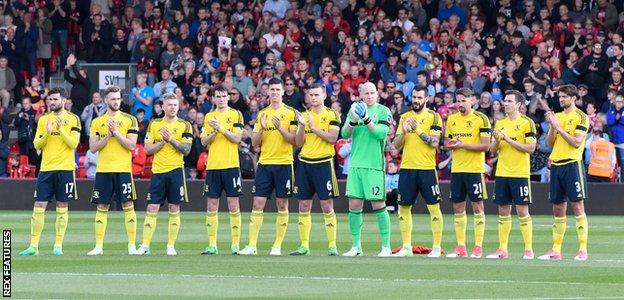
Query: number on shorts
[(376, 191), (329, 185), (477, 188), (69, 188), (578, 186), (435, 189), (236, 182), (288, 184), (181, 191), (127, 187), (524, 191)]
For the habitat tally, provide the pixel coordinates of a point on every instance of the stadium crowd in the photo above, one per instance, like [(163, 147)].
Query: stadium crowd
[(186, 47)]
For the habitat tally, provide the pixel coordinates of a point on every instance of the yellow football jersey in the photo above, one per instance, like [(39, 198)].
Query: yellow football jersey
[(168, 158), (275, 150), (469, 130), (417, 154), (223, 153), (573, 123), (57, 155), (511, 161), (114, 157), (314, 148)]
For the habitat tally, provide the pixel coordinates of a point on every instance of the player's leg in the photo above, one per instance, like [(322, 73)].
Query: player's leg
[(235, 223), (477, 193), (212, 191), (430, 190), (526, 228), (304, 193), (374, 184), (263, 186), (578, 207), (284, 179), (36, 227), (126, 194), (155, 199), (65, 191), (558, 199), (305, 226), (101, 221), (330, 225), (103, 188), (458, 197), (408, 191), (44, 188), (174, 227), (356, 220), (504, 228)]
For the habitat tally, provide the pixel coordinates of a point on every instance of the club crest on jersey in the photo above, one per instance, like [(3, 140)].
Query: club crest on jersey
[(228, 120), (517, 127), (469, 124)]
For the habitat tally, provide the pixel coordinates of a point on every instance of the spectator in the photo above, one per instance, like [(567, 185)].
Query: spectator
[(392, 186), (119, 50), (4, 155), (241, 81), (594, 69), (165, 85), (97, 38), (90, 163), (7, 81), (600, 156), (59, 15), (28, 36), (36, 92), (604, 14), (81, 85), (293, 97), (616, 125), (276, 8), (142, 96), (26, 126), (44, 43), (191, 90), (95, 109)]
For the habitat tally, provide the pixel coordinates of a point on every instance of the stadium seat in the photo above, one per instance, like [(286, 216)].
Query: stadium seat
[(201, 164), (14, 148), (139, 159), (81, 172)]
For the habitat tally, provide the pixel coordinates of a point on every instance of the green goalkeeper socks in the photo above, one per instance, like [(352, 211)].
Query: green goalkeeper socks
[(383, 222), (355, 226)]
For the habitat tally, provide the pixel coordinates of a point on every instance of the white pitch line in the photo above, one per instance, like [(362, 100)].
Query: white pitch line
[(543, 298), (271, 277)]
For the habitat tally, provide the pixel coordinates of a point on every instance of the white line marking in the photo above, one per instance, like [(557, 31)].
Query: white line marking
[(271, 277)]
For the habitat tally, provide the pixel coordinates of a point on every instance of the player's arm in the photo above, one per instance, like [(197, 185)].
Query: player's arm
[(151, 145), (482, 146), (527, 148), (184, 148), (71, 138), (41, 135), (300, 136), (290, 133), (347, 128), (575, 140), (130, 139), (399, 137), (206, 140), (96, 142), (258, 130)]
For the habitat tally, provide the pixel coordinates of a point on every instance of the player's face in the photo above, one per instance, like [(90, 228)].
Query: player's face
[(464, 104), (419, 100), (113, 101), (316, 97), (276, 91), (369, 94), (565, 101), (55, 102), (221, 99), (510, 104), (171, 107)]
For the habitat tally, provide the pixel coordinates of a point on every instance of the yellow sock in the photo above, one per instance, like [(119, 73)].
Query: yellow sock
[(405, 223), (101, 219), (437, 223), (36, 225), (212, 225), (460, 228), (62, 217), (149, 226), (526, 228), (281, 224), (174, 228), (504, 228), (330, 228), (582, 231), (235, 226), (305, 225), (479, 228), (130, 220), (255, 223), (559, 229)]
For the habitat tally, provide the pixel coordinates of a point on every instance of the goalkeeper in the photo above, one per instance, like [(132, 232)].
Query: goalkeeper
[(368, 126)]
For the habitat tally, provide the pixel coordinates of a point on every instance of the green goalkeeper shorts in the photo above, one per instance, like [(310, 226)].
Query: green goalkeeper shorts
[(366, 184)]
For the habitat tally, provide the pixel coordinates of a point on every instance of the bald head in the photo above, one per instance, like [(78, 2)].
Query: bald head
[(368, 92)]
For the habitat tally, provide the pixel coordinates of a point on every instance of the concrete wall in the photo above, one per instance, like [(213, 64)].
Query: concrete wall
[(604, 199)]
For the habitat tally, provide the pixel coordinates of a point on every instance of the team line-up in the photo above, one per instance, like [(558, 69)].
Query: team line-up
[(278, 129)]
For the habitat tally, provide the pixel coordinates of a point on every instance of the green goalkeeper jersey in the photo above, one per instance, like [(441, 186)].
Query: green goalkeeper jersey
[(367, 148)]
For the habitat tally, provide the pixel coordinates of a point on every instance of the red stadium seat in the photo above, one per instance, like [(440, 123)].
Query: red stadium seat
[(14, 148), (81, 172)]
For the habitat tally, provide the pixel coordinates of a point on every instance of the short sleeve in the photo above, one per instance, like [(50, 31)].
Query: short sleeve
[(486, 129), (292, 121), (237, 127), (386, 118), (149, 135), (95, 124), (583, 125), (334, 123), (449, 128), (530, 136), (76, 126), (257, 125), (436, 125), (187, 136), (134, 126), (206, 129), (399, 129)]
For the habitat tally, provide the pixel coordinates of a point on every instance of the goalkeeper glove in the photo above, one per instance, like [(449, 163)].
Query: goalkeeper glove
[(360, 110)]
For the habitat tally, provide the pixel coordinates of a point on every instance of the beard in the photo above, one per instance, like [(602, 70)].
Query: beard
[(113, 108), (462, 109), (417, 107), (56, 108)]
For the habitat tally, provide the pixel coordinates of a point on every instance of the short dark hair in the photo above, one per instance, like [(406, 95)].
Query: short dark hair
[(318, 86), (111, 89), (420, 89), (58, 90), (276, 80), (569, 90), (140, 110), (220, 89), (518, 97), (466, 92), (424, 73)]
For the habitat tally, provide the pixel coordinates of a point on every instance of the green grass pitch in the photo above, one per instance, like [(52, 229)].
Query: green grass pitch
[(190, 275)]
